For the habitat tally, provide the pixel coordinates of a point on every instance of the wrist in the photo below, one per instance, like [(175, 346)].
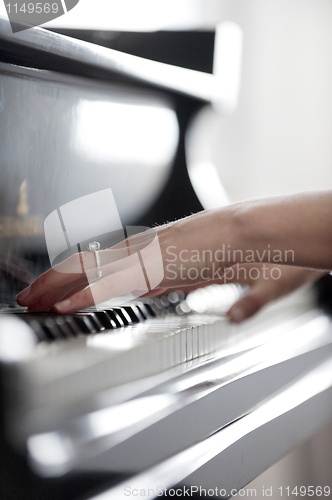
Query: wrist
[(237, 232), (253, 233)]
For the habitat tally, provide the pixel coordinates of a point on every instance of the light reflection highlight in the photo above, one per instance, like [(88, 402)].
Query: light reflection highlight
[(115, 132)]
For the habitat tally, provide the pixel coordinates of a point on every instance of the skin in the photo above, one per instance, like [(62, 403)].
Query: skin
[(291, 234)]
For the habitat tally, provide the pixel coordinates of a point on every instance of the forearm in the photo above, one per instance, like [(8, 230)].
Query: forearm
[(292, 230)]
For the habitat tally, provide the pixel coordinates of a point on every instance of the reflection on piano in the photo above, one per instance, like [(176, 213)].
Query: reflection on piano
[(151, 394)]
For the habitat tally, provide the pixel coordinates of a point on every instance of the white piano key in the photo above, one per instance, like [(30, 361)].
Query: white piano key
[(204, 340), (195, 341), (183, 345), (177, 348), (189, 344)]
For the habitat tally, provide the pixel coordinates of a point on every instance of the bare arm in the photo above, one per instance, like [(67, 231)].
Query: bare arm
[(301, 223), (291, 230)]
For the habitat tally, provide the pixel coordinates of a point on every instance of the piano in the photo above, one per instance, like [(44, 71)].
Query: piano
[(151, 397)]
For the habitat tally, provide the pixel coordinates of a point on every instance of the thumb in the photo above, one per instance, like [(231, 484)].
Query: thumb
[(249, 305)]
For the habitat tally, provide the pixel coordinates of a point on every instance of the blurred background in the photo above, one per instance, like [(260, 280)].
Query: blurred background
[(279, 138)]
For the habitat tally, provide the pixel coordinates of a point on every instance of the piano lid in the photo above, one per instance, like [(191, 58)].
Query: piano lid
[(32, 44), (52, 149)]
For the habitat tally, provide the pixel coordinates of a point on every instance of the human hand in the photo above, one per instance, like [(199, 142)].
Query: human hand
[(267, 283), (72, 284), (190, 253)]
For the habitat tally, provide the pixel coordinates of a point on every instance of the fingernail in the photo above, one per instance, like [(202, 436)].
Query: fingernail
[(63, 306), (237, 314), (22, 295)]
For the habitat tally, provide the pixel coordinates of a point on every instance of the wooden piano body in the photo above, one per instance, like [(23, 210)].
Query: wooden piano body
[(158, 400)]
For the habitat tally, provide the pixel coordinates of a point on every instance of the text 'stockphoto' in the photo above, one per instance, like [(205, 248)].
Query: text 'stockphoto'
[(85, 237)]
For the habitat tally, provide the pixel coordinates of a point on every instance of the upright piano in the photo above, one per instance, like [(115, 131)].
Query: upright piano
[(151, 397)]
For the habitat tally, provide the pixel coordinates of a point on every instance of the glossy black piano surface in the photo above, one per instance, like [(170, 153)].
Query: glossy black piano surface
[(51, 154)]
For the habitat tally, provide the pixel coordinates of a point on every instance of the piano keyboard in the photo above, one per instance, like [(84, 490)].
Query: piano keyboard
[(101, 396), (78, 355), (49, 326), (74, 358)]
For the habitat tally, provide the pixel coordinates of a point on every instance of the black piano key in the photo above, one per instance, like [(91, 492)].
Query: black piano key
[(145, 312), (46, 323), (38, 330), (133, 312), (96, 322), (62, 323), (72, 325), (140, 313), (150, 309), (52, 329), (115, 317), (84, 323), (155, 311), (107, 322), (123, 315), (158, 304), (49, 325)]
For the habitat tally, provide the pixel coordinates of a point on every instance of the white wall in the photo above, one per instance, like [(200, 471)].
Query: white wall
[(280, 138)]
